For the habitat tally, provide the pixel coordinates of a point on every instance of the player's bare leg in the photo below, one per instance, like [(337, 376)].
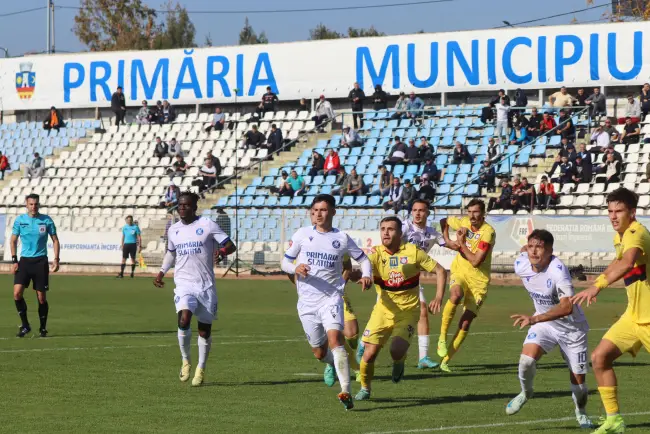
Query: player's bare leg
[(602, 361), (43, 310), (21, 307), (530, 354), (184, 336), (459, 337), (398, 349), (455, 297), (367, 370), (336, 343), (205, 344), (580, 393), (424, 362)]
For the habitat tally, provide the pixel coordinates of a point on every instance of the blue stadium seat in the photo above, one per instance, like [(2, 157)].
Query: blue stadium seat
[(302, 161), (449, 132), (447, 141), (461, 179), (223, 201), (268, 181), (374, 134), (369, 145), (259, 201), (440, 201), (539, 151), (380, 124), (412, 169), (256, 182), (330, 180), (472, 190), (405, 123), (452, 169), (374, 201), (442, 123), (555, 141), (441, 159), (271, 201), (361, 201), (284, 201), (386, 133), (436, 132), (398, 170), (448, 178), (274, 171), (344, 152), (455, 201), (522, 159), (297, 201), (355, 152)]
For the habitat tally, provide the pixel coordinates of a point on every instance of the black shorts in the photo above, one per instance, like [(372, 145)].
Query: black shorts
[(129, 250), (35, 270)]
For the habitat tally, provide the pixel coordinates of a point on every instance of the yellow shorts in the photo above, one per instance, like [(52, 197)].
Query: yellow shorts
[(629, 336), (474, 292), (382, 325), (348, 312)]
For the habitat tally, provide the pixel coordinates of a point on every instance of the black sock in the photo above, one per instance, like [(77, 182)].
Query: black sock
[(43, 309), (21, 307), (122, 268), (132, 268)]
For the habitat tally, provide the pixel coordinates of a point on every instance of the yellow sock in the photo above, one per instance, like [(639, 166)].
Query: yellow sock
[(352, 358), (458, 340), (447, 316), (353, 342), (610, 400), (367, 372)]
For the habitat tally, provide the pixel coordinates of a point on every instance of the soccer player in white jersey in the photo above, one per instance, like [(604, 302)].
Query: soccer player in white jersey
[(194, 245), (318, 251), (556, 322)]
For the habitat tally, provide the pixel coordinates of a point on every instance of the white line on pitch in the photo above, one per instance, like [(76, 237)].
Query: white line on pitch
[(492, 425), (307, 374)]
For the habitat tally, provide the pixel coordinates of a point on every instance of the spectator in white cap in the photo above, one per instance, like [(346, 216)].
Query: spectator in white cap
[(172, 193), (351, 138), (324, 114)]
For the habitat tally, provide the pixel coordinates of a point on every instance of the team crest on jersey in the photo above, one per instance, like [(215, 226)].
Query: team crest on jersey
[(366, 332), (199, 231), (532, 335), (336, 244), (393, 261), (404, 260), (42, 229), (549, 283), (311, 239)]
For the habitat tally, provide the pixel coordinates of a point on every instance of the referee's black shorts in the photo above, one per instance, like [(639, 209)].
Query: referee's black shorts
[(129, 250), (35, 270)]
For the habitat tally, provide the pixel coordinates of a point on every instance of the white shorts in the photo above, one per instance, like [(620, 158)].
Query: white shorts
[(203, 305), (317, 320), (573, 345), (423, 299), (501, 129)]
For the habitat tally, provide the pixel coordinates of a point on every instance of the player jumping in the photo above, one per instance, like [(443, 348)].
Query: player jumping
[(556, 322), (632, 330), (318, 251), (470, 274), (131, 242), (32, 229), (194, 245), (396, 270)]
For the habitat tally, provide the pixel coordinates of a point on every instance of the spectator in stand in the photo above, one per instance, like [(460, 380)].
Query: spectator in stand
[(581, 98), (534, 124), (632, 111), (385, 181), (611, 130), (282, 187), (583, 171), (501, 95), (400, 107), (411, 156), (599, 137), (297, 183), (351, 138), (168, 113), (54, 120), (408, 195), (487, 176), (487, 114), (332, 163), (516, 184), (302, 105), (170, 198), (175, 149), (4, 165), (179, 167), (610, 150), (208, 176), (429, 168), (568, 149), (317, 164), (561, 99), (519, 136), (426, 189), (597, 103), (631, 132), (425, 150), (503, 110), (414, 108), (269, 100), (546, 195), (526, 194), (397, 152), (339, 182), (461, 154), (356, 97), (567, 169), (504, 200), (565, 127), (353, 185), (493, 149), (142, 118), (379, 99), (644, 99), (215, 162), (158, 115), (584, 154), (324, 114), (118, 106), (161, 149), (275, 140), (218, 121), (612, 170), (394, 196), (521, 100), (253, 138), (548, 124)]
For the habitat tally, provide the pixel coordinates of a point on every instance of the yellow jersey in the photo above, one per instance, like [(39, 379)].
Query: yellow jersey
[(397, 276), (636, 280), (483, 239)]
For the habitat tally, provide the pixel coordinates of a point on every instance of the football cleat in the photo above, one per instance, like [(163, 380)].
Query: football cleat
[(442, 348), (362, 395), (329, 376), (185, 371), (346, 400), (119, 276), (516, 404), (398, 371), (427, 363), (583, 419), (42, 333), (611, 425), (444, 367), (198, 377), (22, 331)]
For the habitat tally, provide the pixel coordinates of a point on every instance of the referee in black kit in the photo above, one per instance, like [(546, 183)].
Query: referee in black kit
[(33, 229)]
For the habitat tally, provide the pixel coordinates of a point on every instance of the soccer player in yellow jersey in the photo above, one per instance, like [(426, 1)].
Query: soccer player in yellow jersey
[(396, 271), (632, 330), (470, 274)]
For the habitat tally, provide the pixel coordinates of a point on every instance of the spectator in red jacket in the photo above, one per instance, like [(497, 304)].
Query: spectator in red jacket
[(4, 165), (547, 124), (546, 195), (332, 163)]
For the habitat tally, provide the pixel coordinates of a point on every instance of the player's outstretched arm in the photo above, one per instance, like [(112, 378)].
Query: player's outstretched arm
[(444, 227), (168, 261), (564, 308), (227, 249), (441, 283), (366, 273)]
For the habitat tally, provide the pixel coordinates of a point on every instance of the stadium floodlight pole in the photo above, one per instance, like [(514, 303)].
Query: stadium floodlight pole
[(6, 51), (52, 28), (236, 270), (48, 31)]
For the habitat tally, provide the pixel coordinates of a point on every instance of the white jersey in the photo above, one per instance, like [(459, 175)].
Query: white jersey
[(323, 253), (195, 245), (425, 238), (547, 288)]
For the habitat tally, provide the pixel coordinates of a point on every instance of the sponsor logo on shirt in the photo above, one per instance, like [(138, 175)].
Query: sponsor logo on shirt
[(395, 278), (320, 259), (393, 262)]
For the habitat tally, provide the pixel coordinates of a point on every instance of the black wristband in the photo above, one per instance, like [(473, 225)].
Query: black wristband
[(14, 259)]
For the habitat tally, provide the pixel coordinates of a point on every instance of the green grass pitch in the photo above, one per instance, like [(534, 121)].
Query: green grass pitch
[(111, 363)]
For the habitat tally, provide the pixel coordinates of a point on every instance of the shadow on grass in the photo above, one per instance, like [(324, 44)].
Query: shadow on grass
[(542, 365), (127, 333), (264, 383)]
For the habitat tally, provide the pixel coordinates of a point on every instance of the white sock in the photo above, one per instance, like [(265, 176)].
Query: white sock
[(329, 358), (527, 369), (579, 393), (204, 350), (184, 337), (342, 367), (423, 345)]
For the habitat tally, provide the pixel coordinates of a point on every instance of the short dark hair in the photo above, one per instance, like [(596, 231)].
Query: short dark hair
[(542, 235), (129, 217), (193, 196), (623, 195), (393, 219), (34, 196), (476, 202), (422, 201), (327, 198)]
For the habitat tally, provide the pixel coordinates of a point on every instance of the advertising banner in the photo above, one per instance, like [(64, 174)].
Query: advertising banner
[(3, 224)]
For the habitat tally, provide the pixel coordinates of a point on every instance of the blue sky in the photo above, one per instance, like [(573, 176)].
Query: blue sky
[(26, 32)]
